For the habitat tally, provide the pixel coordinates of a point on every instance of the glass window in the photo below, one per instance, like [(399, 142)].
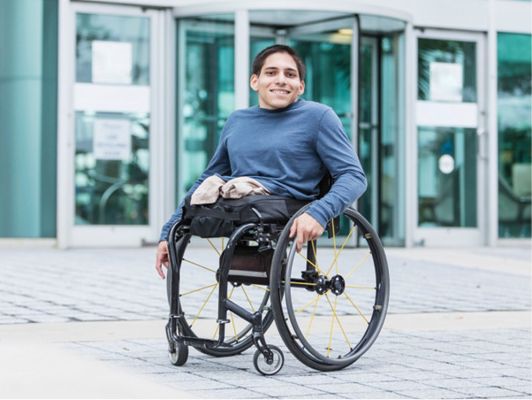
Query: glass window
[(28, 118), (112, 49), (257, 44), (112, 168), (379, 135), (447, 177), (324, 83), (446, 71), (514, 133), (391, 197), (207, 92)]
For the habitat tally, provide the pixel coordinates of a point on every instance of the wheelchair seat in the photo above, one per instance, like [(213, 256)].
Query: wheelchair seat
[(223, 217)]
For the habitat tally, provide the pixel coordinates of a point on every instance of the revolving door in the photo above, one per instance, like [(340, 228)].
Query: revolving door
[(354, 65)]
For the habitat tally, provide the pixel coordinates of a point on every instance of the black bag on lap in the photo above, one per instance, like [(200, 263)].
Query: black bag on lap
[(224, 216)]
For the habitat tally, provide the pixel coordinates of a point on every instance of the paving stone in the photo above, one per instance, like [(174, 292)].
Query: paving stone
[(398, 385), (342, 388), (287, 390), (502, 382), (430, 394), (224, 394), (453, 383), (488, 392)]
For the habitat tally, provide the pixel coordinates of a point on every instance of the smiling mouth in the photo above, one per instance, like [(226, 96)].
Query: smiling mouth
[(280, 91)]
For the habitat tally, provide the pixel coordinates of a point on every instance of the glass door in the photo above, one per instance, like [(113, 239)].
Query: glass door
[(450, 139), (326, 48), (205, 70), (114, 128)]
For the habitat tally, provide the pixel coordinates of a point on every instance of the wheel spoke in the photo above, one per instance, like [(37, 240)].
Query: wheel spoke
[(204, 304), (338, 319), (233, 325), (199, 265), (266, 289), (357, 266), (311, 263), (214, 247), (356, 307), (197, 290), (247, 298), (329, 346), (316, 301), (335, 259), (307, 304)]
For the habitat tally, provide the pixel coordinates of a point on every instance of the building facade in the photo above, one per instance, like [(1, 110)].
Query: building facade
[(109, 110)]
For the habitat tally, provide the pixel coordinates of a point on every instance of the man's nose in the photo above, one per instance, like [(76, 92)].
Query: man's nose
[(281, 79)]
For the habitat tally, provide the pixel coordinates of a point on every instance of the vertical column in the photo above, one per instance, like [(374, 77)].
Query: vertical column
[(491, 214), (27, 136), (241, 59), (411, 134)]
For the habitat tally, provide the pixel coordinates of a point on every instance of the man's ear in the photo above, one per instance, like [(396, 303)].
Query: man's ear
[(253, 82), (301, 88)]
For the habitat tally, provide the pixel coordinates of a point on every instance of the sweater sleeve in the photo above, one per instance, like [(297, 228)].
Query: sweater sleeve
[(218, 165), (336, 153)]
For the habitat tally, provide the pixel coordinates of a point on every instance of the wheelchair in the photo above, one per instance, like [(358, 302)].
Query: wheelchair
[(229, 281)]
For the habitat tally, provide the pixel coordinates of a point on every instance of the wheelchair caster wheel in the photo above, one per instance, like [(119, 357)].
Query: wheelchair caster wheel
[(269, 367), (179, 356)]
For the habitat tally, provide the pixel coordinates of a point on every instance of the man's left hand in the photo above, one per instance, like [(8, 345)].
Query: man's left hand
[(304, 229)]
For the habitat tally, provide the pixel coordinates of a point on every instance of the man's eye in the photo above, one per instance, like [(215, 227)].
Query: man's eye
[(269, 72)]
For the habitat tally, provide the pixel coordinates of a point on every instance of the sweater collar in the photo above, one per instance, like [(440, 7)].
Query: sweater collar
[(296, 104)]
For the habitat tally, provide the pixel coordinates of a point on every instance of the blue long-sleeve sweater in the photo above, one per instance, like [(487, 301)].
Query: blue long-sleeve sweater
[(289, 151)]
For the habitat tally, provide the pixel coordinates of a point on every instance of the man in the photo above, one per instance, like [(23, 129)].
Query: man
[(287, 145)]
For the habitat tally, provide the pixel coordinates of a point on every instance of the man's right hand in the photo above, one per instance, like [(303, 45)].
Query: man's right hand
[(161, 258)]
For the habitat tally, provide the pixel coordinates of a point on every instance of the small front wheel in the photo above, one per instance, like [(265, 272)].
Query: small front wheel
[(179, 356), (269, 366)]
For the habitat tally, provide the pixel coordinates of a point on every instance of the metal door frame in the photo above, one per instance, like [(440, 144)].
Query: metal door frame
[(160, 101), (455, 236)]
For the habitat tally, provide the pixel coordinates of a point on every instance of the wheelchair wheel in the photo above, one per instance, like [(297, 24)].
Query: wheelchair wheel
[(179, 355), (198, 262), (330, 300)]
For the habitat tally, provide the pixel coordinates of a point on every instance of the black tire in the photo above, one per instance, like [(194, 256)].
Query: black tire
[(179, 355), (237, 339), (261, 365), (361, 323)]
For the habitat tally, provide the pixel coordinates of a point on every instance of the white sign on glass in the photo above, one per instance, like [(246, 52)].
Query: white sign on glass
[(446, 164), (112, 62), (446, 81), (112, 139)]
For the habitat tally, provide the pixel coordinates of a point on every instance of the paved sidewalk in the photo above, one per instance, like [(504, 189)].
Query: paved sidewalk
[(458, 327)]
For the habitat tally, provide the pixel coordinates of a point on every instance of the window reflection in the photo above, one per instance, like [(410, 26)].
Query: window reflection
[(447, 177), (446, 71), (111, 181), (128, 41), (208, 92), (514, 130)]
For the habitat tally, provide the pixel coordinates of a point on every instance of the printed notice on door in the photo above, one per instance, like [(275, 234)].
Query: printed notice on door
[(446, 81), (112, 139), (112, 62)]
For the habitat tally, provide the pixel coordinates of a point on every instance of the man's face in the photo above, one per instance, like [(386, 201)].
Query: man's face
[(278, 84)]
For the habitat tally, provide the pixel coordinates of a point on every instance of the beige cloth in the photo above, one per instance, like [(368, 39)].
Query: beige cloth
[(214, 186)]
